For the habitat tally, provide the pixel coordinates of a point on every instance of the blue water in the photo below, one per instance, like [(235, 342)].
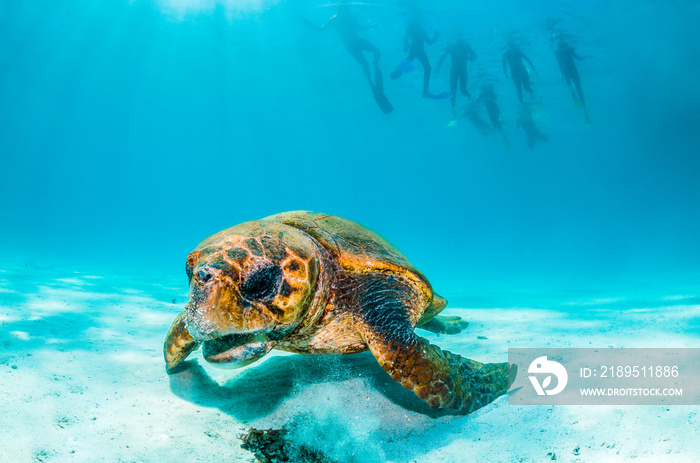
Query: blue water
[(131, 130)]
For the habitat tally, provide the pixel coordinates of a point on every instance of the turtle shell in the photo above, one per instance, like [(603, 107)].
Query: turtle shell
[(360, 250)]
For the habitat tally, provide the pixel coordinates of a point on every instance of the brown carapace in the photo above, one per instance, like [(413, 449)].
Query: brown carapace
[(311, 283)]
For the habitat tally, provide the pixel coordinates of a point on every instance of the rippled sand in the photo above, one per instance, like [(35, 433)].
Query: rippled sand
[(82, 378)]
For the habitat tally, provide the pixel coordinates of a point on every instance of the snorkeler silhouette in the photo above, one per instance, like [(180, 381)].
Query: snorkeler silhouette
[(565, 54), (488, 97), (472, 113), (414, 43), (346, 26), (526, 121), (460, 52), (521, 78)]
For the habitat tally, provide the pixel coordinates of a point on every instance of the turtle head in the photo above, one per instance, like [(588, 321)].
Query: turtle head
[(255, 281)]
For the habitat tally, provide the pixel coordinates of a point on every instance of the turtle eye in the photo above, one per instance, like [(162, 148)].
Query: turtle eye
[(262, 283), (204, 275)]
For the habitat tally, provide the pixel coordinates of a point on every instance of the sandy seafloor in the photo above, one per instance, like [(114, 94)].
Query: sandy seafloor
[(82, 379)]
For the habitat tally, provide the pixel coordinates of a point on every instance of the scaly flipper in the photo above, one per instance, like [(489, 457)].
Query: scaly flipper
[(178, 344), (441, 378)]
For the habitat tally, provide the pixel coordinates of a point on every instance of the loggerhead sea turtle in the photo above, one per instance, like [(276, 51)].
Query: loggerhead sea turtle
[(319, 284)]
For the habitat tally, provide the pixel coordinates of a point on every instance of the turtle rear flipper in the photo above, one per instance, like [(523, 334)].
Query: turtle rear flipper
[(441, 324), (441, 378)]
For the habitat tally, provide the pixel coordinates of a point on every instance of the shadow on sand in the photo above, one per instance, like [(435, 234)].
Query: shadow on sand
[(260, 390)]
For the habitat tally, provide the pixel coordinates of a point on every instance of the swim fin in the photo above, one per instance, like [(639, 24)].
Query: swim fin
[(404, 66), (382, 101)]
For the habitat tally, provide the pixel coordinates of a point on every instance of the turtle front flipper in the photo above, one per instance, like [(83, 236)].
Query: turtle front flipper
[(237, 350), (441, 378), (178, 344)]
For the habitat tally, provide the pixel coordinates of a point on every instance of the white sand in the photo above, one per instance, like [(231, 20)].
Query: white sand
[(82, 379)]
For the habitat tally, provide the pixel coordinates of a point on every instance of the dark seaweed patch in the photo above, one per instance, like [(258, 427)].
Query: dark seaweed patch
[(273, 446)]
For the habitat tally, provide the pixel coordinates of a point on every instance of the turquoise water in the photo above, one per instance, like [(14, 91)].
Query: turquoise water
[(131, 130)]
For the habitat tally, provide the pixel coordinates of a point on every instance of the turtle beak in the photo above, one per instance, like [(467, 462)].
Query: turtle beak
[(201, 311), (195, 320)]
